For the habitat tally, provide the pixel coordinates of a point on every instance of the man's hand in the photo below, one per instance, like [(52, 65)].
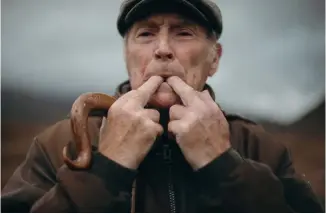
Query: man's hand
[(201, 130), (130, 129)]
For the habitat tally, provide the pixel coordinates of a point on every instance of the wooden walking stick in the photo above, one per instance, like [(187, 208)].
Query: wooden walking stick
[(79, 124)]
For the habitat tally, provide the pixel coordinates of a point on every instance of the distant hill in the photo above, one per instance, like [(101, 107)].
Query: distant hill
[(311, 122), (23, 107), (315, 117)]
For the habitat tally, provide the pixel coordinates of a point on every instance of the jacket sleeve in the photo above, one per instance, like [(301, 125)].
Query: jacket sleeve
[(36, 186), (242, 185)]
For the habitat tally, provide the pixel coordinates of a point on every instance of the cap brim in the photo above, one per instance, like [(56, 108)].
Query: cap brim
[(144, 8)]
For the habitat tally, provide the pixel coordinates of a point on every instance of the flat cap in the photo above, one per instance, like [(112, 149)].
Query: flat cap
[(204, 12)]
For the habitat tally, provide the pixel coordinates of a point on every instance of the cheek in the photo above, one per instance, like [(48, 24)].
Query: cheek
[(196, 66), (136, 61), (196, 78)]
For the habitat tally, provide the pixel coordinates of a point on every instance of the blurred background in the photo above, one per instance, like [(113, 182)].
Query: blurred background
[(272, 70)]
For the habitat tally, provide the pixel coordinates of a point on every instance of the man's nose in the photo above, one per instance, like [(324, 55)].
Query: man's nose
[(164, 52)]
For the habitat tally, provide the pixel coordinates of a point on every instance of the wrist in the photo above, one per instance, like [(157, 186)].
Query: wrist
[(206, 156), (125, 160)]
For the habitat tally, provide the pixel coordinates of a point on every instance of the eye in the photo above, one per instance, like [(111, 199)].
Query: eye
[(145, 34), (184, 33)]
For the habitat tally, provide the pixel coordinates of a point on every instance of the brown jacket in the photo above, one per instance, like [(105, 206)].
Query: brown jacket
[(256, 175)]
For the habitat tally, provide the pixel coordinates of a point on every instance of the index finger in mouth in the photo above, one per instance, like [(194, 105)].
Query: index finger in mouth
[(149, 88), (185, 92)]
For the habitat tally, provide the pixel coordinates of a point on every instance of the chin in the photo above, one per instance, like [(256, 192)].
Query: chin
[(163, 100)]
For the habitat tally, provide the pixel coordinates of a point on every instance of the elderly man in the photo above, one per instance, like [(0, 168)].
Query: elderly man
[(164, 145)]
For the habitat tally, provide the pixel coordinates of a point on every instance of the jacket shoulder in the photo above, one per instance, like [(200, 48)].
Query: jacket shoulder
[(55, 137), (244, 124), (239, 119), (252, 141)]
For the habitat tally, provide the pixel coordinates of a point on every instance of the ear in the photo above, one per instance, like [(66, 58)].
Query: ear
[(125, 49), (217, 55), (125, 41)]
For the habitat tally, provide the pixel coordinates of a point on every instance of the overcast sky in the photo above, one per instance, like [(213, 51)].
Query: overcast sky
[(273, 65)]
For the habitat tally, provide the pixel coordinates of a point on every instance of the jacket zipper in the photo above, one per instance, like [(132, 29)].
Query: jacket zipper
[(167, 156)]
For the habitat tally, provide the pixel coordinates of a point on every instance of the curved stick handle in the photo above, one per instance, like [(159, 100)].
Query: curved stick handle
[(79, 124)]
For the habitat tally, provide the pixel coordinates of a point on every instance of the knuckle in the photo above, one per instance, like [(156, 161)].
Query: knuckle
[(151, 114), (116, 105), (151, 128), (158, 114), (137, 116), (193, 116), (114, 110), (184, 127), (156, 111), (148, 124), (173, 109), (158, 129)]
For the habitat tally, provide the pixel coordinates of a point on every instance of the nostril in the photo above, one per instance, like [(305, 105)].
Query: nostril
[(163, 55)]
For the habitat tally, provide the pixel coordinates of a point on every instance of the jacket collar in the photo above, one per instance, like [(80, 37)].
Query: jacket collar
[(124, 87)]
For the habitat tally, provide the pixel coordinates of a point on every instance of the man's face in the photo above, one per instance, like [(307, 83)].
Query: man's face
[(168, 45)]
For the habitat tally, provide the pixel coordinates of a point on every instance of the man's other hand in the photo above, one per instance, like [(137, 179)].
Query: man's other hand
[(201, 130)]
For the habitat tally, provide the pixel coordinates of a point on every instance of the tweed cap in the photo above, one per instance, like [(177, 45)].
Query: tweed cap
[(204, 12)]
